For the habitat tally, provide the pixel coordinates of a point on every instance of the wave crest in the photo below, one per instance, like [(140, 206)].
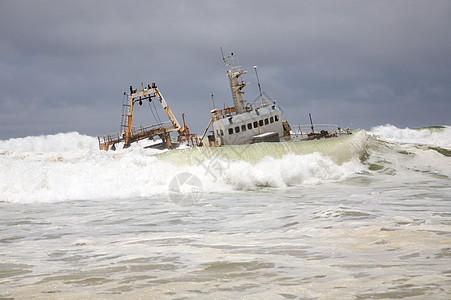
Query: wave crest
[(431, 136)]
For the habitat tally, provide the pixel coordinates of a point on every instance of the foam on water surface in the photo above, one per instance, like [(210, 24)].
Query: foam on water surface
[(68, 167), (363, 217), (434, 136)]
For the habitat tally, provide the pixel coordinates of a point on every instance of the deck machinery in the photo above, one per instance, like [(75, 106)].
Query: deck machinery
[(130, 134)]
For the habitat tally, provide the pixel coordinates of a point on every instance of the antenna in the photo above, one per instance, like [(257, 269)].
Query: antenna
[(213, 99), (222, 53), (259, 87)]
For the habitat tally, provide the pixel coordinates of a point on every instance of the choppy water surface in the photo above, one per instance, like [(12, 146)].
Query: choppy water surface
[(362, 218)]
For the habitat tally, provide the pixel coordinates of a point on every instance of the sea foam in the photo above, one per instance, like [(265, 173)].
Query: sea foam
[(432, 136), (69, 166)]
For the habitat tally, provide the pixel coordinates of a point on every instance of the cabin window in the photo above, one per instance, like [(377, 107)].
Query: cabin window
[(255, 124), (237, 129), (249, 126), (271, 120), (276, 118), (266, 121), (230, 130), (243, 127), (260, 123)]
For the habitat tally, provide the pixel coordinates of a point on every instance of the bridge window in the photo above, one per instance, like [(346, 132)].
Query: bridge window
[(237, 129), (243, 127), (271, 120), (276, 118), (260, 123), (222, 132), (255, 124), (230, 130), (266, 121), (249, 126)]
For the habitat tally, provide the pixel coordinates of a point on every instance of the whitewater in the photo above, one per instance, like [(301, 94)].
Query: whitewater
[(356, 217)]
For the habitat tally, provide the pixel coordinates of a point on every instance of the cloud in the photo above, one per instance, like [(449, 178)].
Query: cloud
[(65, 65)]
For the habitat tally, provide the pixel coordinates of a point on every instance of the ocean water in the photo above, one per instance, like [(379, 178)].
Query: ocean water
[(367, 216)]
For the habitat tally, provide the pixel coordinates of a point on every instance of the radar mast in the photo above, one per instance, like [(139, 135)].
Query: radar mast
[(234, 73)]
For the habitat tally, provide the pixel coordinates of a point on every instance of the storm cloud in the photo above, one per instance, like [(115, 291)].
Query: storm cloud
[(64, 65)]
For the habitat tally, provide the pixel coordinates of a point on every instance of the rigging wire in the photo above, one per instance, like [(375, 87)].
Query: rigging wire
[(159, 120), (151, 110)]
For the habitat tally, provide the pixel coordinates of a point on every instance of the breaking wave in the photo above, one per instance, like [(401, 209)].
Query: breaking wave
[(439, 136), (69, 166), (61, 142)]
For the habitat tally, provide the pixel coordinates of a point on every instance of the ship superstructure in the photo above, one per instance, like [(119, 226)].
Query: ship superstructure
[(245, 122)]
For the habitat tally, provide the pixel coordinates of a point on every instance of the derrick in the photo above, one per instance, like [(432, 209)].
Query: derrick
[(130, 134)]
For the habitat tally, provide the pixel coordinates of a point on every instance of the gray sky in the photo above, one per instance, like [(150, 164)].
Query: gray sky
[(64, 65)]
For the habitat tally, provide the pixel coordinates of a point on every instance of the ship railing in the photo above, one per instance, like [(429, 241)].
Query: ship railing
[(301, 131), (117, 137), (258, 104), (141, 129), (110, 138)]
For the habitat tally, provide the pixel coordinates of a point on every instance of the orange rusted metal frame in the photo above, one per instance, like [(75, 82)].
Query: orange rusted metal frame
[(166, 108), (217, 114), (128, 128), (136, 134), (130, 134)]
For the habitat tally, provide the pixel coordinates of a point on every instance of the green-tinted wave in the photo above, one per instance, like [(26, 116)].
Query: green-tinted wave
[(340, 150), (443, 151)]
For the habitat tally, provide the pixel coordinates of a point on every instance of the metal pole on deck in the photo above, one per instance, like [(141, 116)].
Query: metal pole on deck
[(311, 123), (258, 82), (213, 99)]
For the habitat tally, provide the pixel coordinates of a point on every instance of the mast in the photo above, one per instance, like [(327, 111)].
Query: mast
[(129, 108), (236, 86)]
